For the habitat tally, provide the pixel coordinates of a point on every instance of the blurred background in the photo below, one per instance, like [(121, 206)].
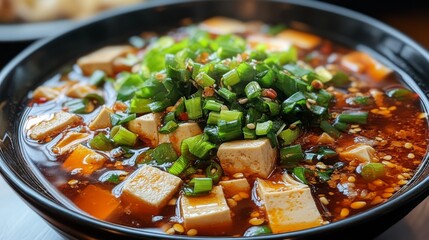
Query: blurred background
[(23, 21)]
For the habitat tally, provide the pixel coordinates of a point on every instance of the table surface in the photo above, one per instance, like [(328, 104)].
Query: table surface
[(18, 221)]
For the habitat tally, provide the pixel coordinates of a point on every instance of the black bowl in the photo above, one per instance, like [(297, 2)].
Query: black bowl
[(44, 58)]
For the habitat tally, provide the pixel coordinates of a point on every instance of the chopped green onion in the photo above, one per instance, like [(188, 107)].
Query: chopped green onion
[(214, 171), (246, 72), (262, 128), (159, 106), (212, 105), (300, 174), (362, 100), (249, 133), (257, 231), (197, 146), (340, 126), (400, 94), (289, 135), (296, 70), (169, 127), (213, 118), (97, 77), (140, 105), (94, 97), (226, 94), (121, 118), (353, 117), (291, 155), (273, 107), (329, 129), (77, 106), (101, 142), (204, 80), (163, 153), (193, 108), (229, 130), (178, 166), (123, 136), (231, 78), (373, 171), (340, 79), (169, 117), (253, 90), (202, 185)]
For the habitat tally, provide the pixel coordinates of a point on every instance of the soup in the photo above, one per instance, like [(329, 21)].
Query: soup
[(226, 128)]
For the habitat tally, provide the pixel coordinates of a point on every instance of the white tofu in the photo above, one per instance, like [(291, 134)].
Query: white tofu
[(250, 157), (184, 131), (80, 90), (209, 214), (146, 127), (360, 152), (52, 127), (235, 186), (102, 59), (149, 190), (223, 25), (70, 140), (289, 205), (102, 120), (300, 39), (47, 93)]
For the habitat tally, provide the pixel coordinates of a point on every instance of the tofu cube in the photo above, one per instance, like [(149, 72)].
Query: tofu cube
[(102, 120), (223, 25), (52, 127), (184, 131), (209, 214), (250, 157), (70, 140), (289, 205), (146, 127), (46, 93), (149, 190), (102, 59), (80, 90), (235, 186), (359, 152), (97, 202), (300, 39), (84, 160)]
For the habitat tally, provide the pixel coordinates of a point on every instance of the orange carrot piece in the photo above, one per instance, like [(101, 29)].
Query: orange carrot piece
[(97, 202), (85, 159)]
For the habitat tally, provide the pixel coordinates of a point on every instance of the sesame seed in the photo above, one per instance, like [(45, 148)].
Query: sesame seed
[(379, 139), (251, 126), (170, 231), (378, 182), (421, 115), (402, 182), (238, 175), (321, 165), (387, 157), (388, 164), (224, 107), (192, 232), (400, 177), (386, 195), (354, 126), (411, 155), (351, 179), (178, 228), (376, 200), (408, 145), (392, 108), (255, 214), (256, 221), (357, 129), (73, 182), (243, 100), (344, 212), (311, 101), (231, 202), (389, 190), (324, 200), (358, 205)]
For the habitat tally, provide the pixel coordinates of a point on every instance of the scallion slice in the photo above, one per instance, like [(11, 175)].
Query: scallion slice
[(193, 107), (179, 166), (123, 136), (291, 155), (169, 127), (101, 142), (262, 128), (253, 90), (354, 117)]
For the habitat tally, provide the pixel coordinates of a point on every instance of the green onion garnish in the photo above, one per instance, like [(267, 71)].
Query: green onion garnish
[(122, 136)]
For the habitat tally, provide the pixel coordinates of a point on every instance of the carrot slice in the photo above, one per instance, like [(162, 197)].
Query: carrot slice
[(85, 159), (97, 202)]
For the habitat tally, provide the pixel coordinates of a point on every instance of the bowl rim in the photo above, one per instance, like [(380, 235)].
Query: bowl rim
[(30, 195)]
